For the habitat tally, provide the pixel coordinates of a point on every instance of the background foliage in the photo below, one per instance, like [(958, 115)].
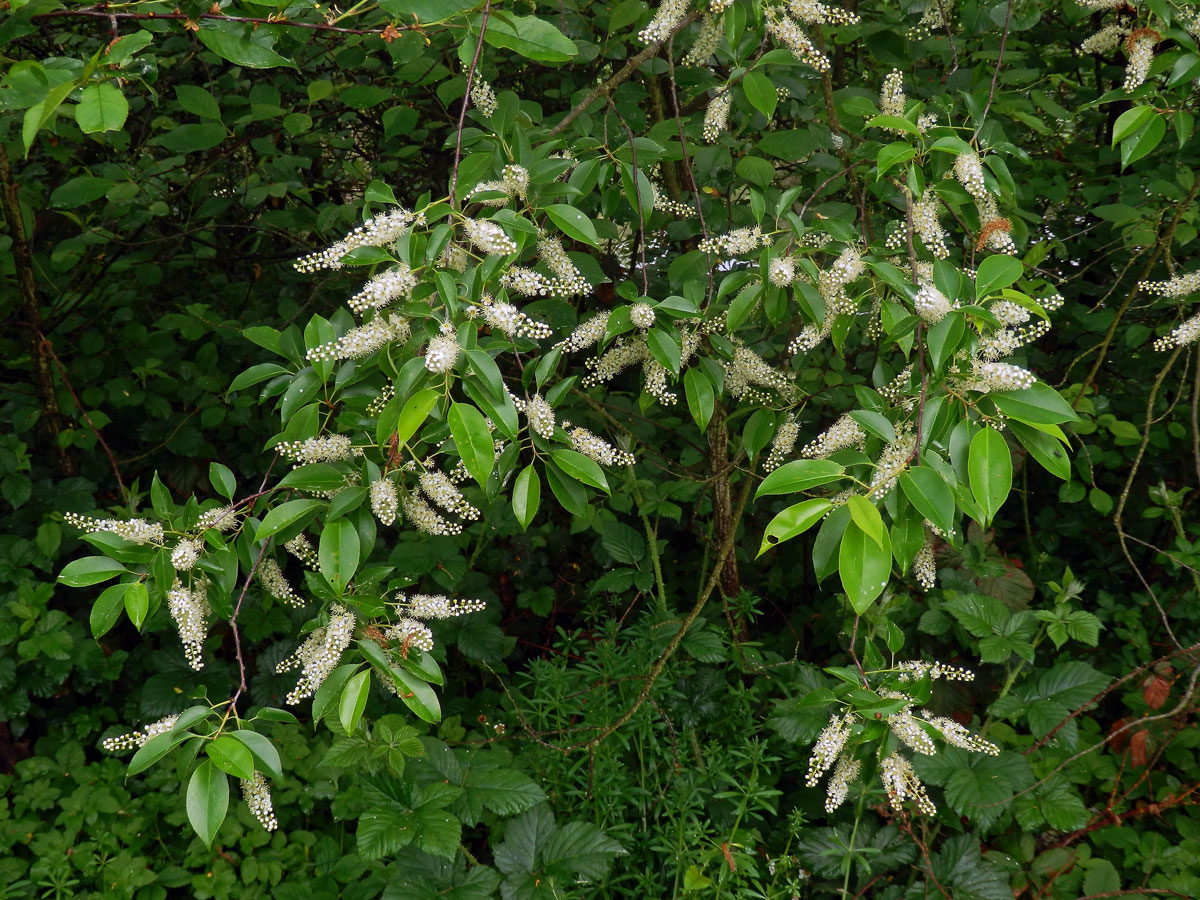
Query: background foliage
[(163, 165)]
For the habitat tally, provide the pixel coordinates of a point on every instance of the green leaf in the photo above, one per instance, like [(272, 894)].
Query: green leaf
[(287, 514), (207, 801), (198, 101), (760, 92), (154, 750), (231, 756), (996, 272), (894, 123), (474, 441), (1039, 404), (701, 399), (944, 338), (929, 493), (799, 475), (665, 349), (263, 751), (241, 44), (137, 602), (193, 138), (1134, 148), (107, 609), (581, 468), (428, 12), (338, 553), (875, 423), (865, 515), (529, 36), (891, 156), (793, 521), (80, 190), (1130, 122), (572, 222), (90, 570), (354, 700), (989, 467), (41, 113), (527, 494), (505, 792), (1046, 449), (101, 107), (864, 566), (417, 696), (581, 849), (330, 691), (222, 480)]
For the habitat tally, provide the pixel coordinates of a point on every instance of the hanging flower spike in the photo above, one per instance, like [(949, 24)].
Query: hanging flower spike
[(829, 746), (385, 501), (272, 579), (483, 97), (670, 13), (845, 773), (320, 653), (378, 231), (257, 794), (901, 783), (138, 738), (136, 531), (1140, 44), (189, 609)]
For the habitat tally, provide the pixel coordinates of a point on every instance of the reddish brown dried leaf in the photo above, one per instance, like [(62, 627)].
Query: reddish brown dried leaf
[(1155, 691), (1137, 748)]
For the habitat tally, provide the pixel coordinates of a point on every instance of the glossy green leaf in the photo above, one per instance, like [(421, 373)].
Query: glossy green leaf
[(137, 603), (996, 272), (527, 494), (242, 45), (929, 493), (101, 107), (266, 757), (989, 466), (473, 440), (285, 515), (581, 468), (792, 522), (221, 478), (231, 756), (573, 223), (1039, 404), (107, 609), (90, 570), (760, 92), (531, 37), (207, 801), (865, 515), (799, 475), (701, 399), (338, 552), (864, 566), (417, 695), (354, 700)]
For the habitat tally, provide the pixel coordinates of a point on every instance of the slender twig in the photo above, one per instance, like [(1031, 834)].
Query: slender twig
[(996, 71), (637, 190), (466, 101), (623, 74), (950, 38)]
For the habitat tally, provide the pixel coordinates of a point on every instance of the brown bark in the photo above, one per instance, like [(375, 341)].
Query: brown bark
[(30, 318), (723, 520)]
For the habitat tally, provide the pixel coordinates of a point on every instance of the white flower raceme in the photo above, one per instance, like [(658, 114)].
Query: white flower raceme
[(665, 204), (384, 288), (363, 340), (583, 441), (136, 531), (385, 501), (748, 369), (911, 670), (717, 114), (138, 738), (927, 225), (273, 581), (958, 736), (320, 653), (301, 548), (425, 518), (987, 377), (901, 783), (910, 733), (924, 566), (816, 13), (1106, 40), (712, 29), (488, 237), (845, 773), (257, 794), (829, 746), (186, 554), (442, 353), (539, 414), (483, 97), (891, 464), (378, 231), (968, 169), (438, 487), (781, 271), (513, 182), (782, 444), (931, 304), (642, 315), (784, 30), (330, 448), (1181, 335), (892, 101), (1178, 286), (668, 16), (843, 434), (189, 608), (506, 318), (586, 334), (223, 518), (568, 280), (1140, 45), (734, 243)]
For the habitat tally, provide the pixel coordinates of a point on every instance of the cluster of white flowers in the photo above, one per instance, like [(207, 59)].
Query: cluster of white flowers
[(301, 548), (642, 315), (747, 369), (782, 444), (995, 230), (1140, 45), (363, 340), (924, 566), (1188, 332), (841, 435), (901, 783), (273, 581), (1178, 286), (139, 737), (438, 606), (670, 13), (845, 773), (384, 288), (583, 441), (931, 304), (385, 501), (708, 39), (913, 669), (968, 169), (586, 334), (189, 608), (186, 554), (378, 231), (438, 487), (620, 355), (892, 101), (1005, 341), (829, 746), (506, 318), (136, 531), (488, 237), (784, 30), (329, 448), (539, 414), (781, 271), (1106, 40), (891, 464), (483, 97), (892, 391), (928, 226), (320, 653), (665, 204), (717, 115), (513, 183), (736, 242), (425, 518), (257, 794), (442, 353), (934, 19), (409, 633), (910, 733), (987, 377), (568, 280), (223, 518), (454, 256), (814, 12), (958, 736)]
